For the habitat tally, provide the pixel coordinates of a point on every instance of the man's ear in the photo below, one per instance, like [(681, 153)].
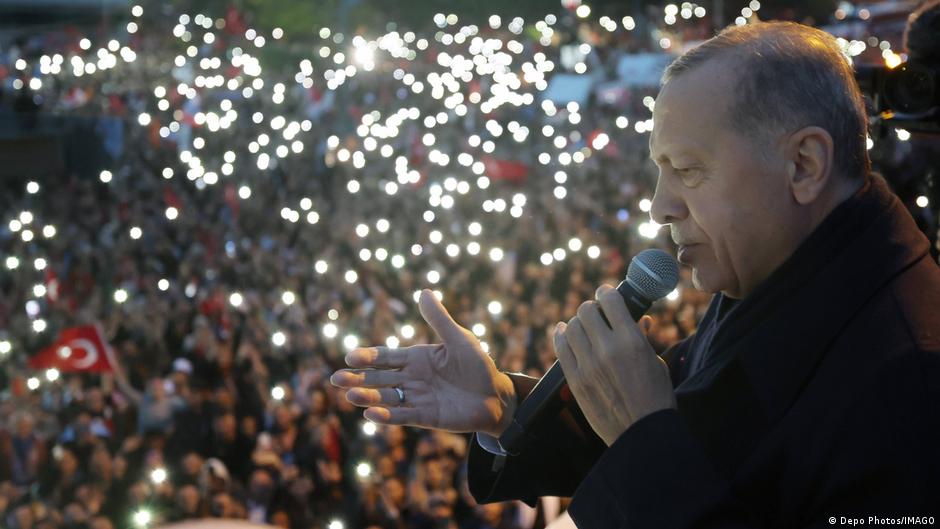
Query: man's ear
[(809, 159)]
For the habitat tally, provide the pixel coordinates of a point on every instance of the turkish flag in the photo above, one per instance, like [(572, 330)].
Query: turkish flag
[(508, 170), (234, 21), (76, 349)]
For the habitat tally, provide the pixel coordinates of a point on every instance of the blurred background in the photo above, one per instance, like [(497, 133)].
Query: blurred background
[(206, 204)]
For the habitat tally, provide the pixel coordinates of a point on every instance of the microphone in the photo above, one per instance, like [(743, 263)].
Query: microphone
[(652, 274)]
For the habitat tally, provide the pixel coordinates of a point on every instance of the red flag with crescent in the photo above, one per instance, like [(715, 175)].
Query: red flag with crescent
[(76, 349)]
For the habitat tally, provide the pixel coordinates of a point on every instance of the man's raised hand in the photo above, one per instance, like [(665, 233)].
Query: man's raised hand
[(452, 386)]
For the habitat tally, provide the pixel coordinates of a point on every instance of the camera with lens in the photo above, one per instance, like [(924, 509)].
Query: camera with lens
[(904, 97), (907, 96)]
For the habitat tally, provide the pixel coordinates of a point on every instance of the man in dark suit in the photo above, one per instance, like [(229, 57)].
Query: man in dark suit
[(808, 396)]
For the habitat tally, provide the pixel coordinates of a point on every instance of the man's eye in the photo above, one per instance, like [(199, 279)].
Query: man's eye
[(688, 174)]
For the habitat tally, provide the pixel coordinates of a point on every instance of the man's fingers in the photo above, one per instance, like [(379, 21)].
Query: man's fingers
[(613, 305), (403, 416), (578, 341), (433, 312), (353, 378), (569, 364), (385, 397), (594, 326), (381, 357)]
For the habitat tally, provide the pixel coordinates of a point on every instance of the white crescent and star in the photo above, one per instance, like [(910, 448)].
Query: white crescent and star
[(91, 353)]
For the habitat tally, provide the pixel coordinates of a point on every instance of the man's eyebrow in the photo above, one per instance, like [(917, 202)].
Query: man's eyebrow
[(680, 153)]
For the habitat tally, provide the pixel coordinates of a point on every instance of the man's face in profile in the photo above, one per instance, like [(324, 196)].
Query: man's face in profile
[(726, 200)]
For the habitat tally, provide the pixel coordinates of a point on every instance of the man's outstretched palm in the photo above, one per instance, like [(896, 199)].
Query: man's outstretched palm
[(452, 386)]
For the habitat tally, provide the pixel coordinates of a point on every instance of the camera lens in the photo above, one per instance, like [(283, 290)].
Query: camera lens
[(911, 88)]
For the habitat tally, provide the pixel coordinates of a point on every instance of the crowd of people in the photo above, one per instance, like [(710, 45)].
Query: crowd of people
[(233, 318)]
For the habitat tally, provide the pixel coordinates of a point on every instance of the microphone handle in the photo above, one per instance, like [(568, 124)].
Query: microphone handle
[(548, 397), (551, 393)]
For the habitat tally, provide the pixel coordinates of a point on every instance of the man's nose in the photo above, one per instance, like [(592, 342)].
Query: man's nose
[(667, 206)]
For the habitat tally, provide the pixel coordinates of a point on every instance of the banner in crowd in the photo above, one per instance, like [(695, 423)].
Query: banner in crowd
[(506, 170), (76, 349), (563, 88), (643, 69)]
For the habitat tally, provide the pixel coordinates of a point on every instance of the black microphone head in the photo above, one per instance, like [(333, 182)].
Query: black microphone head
[(654, 273)]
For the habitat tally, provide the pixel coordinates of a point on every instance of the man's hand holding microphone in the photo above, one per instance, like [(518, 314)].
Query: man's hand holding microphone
[(613, 372)]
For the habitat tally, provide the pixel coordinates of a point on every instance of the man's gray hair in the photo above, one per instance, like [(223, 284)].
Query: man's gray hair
[(790, 76)]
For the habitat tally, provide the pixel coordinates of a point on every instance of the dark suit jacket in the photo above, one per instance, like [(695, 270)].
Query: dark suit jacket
[(819, 397)]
